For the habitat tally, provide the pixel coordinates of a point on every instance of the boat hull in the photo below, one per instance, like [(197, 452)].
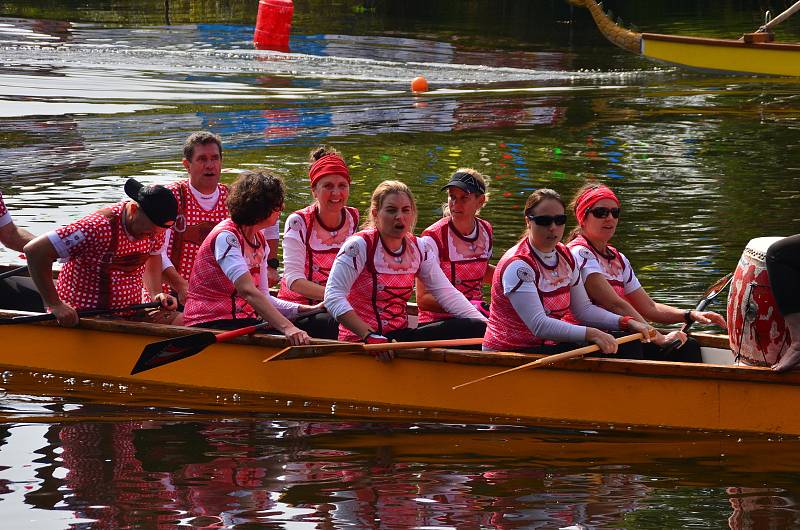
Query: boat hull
[(721, 55), (598, 392)]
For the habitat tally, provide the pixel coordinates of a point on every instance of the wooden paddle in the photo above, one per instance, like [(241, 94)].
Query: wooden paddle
[(708, 296), (44, 317), (552, 359), (319, 350), (13, 272), (171, 350)]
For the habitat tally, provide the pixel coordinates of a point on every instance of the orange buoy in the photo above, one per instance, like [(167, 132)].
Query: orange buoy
[(273, 25), (419, 84)]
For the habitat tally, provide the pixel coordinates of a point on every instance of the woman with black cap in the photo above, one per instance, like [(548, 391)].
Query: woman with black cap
[(107, 253), (462, 243)]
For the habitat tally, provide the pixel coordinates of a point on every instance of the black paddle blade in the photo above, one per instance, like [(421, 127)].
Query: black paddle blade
[(171, 350)]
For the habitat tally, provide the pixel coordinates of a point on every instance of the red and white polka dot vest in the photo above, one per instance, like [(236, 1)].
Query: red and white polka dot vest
[(105, 266), (192, 225)]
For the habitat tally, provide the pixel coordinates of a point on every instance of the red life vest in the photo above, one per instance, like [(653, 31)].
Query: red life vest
[(463, 260), (192, 225), (505, 330), (380, 293), (212, 295), (615, 270), (108, 272), (322, 244)]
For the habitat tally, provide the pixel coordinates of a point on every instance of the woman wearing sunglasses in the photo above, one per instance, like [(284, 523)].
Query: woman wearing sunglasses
[(534, 285), (611, 282), (462, 244), (313, 236), (374, 273)]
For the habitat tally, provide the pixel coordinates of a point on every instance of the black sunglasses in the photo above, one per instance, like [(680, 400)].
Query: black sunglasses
[(601, 212), (547, 220)]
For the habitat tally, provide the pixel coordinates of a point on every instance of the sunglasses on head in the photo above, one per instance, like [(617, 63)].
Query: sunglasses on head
[(601, 212), (547, 220)]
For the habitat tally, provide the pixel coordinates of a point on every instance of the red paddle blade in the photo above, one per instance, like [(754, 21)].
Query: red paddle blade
[(171, 350)]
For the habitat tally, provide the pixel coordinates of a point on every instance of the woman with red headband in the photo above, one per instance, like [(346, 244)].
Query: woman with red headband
[(374, 273), (312, 238), (462, 244), (536, 283), (611, 282)]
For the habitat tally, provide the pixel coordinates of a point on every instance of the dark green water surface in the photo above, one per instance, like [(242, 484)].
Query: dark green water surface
[(527, 92)]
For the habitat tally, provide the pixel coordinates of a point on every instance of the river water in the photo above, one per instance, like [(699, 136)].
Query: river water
[(527, 92)]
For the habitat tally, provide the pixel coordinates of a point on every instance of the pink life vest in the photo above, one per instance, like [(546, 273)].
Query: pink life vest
[(192, 225), (212, 295), (505, 330), (107, 272), (615, 271), (463, 260), (380, 293), (322, 244)]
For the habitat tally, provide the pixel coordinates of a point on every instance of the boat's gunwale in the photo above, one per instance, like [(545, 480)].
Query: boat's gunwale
[(709, 41), (475, 357)]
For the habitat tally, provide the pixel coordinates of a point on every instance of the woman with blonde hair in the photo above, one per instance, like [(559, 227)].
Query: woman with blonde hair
[(462, 244), (536, 283), (373, 278)]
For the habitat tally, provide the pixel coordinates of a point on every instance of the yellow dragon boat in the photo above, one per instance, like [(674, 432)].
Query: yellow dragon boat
[(754, 53), (599, 392)]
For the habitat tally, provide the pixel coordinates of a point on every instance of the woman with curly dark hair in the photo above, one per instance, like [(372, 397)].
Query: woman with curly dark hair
[(228, 288)]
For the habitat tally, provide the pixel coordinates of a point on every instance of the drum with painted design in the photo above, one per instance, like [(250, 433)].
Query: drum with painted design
[(758, 333)]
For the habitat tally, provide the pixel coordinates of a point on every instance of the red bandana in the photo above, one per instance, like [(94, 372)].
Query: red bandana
[(591, 197), (328, 165)]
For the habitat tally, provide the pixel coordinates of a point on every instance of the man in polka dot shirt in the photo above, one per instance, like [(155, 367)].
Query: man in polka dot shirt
[(107, 255)]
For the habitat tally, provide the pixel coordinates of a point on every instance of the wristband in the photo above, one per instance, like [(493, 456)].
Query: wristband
[(687, 316), (624, 322), (273, 263)]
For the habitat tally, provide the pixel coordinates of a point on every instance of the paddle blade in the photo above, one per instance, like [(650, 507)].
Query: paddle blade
[(170, 350)]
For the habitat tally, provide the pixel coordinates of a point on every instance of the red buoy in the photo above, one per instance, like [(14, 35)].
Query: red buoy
[(273, 25)]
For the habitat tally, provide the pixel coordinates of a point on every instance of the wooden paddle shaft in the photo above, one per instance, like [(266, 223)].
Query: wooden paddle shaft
[(552, 359), (445, 343)]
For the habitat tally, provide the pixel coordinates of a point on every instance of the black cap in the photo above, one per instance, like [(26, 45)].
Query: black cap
[(155, 200), (466, 182)]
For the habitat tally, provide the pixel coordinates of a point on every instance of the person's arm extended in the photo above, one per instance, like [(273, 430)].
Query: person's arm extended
[(602, 294), (447, 296), (666, 314), (41, 254), (14, 237), (248, 290)]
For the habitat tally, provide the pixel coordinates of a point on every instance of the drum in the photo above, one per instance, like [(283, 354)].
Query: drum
[(756, 329)]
